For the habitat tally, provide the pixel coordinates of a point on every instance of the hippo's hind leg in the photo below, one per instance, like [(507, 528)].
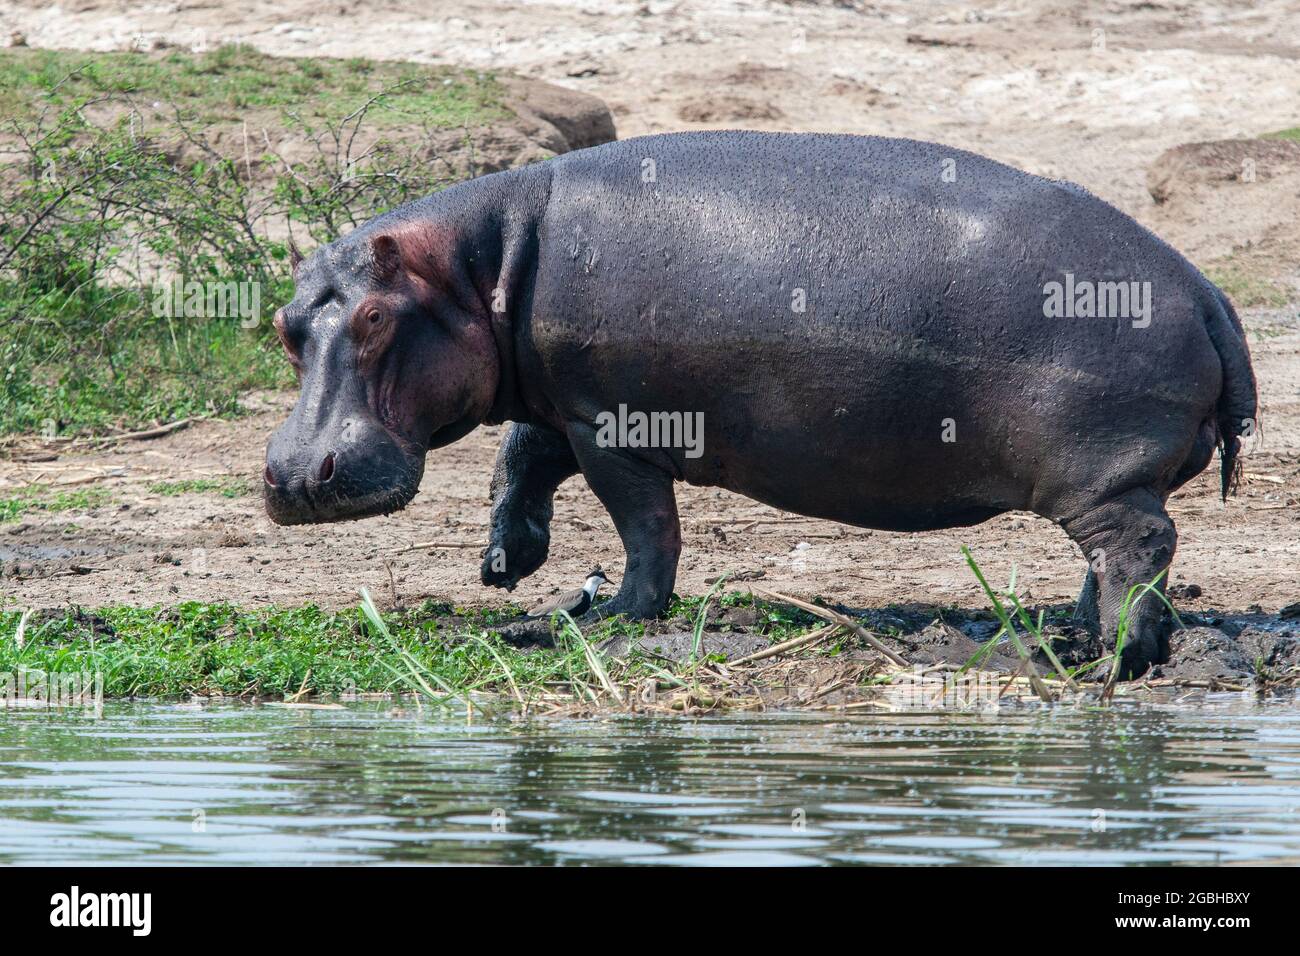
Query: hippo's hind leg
[(639, 498), (1129, 540), (1087, 612), (532, 462)]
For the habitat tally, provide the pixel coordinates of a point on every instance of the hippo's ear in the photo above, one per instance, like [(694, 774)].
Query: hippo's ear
[(385, 258), (295, 257)]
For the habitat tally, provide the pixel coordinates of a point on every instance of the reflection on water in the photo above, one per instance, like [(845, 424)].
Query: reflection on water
[(1218, 783)]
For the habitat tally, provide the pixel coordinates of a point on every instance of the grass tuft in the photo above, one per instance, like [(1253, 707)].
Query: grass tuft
[(227, 487), (40, 499)]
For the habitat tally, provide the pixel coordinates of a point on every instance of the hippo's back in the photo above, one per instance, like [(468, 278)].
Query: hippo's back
[(845, 296), (776, 235)]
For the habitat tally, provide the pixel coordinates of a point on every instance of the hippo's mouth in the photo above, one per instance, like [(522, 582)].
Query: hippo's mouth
[(348, 499)]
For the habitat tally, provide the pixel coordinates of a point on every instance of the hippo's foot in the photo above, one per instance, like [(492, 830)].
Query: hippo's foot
[(531, 463), (1130, 542), (1144, 649), (633, 606), (514, 551)]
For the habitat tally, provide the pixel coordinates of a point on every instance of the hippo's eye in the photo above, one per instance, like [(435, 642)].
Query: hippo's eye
[(372, 329)]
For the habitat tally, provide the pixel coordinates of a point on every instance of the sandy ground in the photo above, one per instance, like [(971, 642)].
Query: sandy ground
[(1030, 83), (1085, 90)]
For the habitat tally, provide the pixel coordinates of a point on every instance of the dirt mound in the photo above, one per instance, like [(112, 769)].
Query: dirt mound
[(567, 118), (1236, 199), (1207, 653), (728, 109), (1230, 160)]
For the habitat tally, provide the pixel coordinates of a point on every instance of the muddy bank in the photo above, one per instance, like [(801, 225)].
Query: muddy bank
[(1223, 649)]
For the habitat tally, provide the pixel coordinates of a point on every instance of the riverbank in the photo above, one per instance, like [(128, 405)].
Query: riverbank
[(733, 652)]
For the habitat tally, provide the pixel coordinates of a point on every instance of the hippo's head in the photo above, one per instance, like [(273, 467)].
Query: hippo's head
[(391, 362)]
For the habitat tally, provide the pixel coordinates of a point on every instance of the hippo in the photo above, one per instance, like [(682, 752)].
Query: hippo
[(887, 333)]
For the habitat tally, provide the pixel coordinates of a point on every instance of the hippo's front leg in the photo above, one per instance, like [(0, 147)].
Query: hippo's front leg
[(532, 462), (639, 498)]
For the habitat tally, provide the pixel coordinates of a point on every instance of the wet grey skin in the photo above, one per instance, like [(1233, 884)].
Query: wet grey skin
[(860, 321)]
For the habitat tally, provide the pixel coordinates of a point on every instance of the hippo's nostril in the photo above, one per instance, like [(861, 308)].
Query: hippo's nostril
[(268, 476), (327, 467)]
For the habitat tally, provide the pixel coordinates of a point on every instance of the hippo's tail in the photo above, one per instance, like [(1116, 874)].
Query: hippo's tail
[(1238, 399)]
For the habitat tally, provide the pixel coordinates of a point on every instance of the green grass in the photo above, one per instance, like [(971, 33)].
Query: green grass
[(443, 654), (16, 506), (218, 648), (81, 348), (450, 655), (1244, 288), (229, 82), (114, 365), (1292, 134), (199, 648), (226, 487)]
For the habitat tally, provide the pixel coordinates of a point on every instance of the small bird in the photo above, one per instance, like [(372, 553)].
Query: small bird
[(576, 603)]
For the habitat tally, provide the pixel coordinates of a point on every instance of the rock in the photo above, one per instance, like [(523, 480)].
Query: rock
[(581, 120), (527, 634), (548, 120), (230, 538), (738, 617)]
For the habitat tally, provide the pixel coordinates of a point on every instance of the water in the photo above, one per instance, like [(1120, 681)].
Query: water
[(1217, 782)]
